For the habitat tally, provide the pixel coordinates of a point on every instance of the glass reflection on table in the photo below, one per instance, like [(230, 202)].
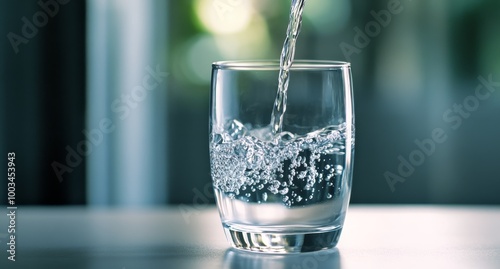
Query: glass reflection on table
[(237, 259)]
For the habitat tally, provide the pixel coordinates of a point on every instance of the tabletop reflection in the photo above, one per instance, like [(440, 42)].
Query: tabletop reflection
[(236, 259)]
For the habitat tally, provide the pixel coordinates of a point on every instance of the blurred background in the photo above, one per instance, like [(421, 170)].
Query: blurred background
[(105, 102)]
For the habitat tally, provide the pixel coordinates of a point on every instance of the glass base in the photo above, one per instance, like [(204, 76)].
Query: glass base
[(282, 242)]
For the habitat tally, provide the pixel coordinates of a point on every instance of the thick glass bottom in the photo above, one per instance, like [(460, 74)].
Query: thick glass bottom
[(282, 242)]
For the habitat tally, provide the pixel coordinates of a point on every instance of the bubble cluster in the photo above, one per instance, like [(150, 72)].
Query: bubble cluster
[(254, 166)]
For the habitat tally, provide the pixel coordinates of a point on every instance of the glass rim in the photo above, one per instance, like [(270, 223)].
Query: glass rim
[(275, 65)]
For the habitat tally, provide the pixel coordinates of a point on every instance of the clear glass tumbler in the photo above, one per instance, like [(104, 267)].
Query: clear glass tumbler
[(286, 191)]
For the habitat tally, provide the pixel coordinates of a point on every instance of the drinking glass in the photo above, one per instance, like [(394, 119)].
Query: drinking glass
[(284, 191)]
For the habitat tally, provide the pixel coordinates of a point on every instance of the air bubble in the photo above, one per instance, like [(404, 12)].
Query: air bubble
[(284, 191), (255, 162), (285, 138), (273, 190), (241, 150), (264, 196), (216, 138), (235, 129), (338, 169)]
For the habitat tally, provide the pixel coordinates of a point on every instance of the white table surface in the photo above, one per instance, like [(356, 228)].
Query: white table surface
[(186, 237)]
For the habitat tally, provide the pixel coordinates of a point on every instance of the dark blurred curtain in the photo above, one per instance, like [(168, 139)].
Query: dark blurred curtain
[(42, 96)]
